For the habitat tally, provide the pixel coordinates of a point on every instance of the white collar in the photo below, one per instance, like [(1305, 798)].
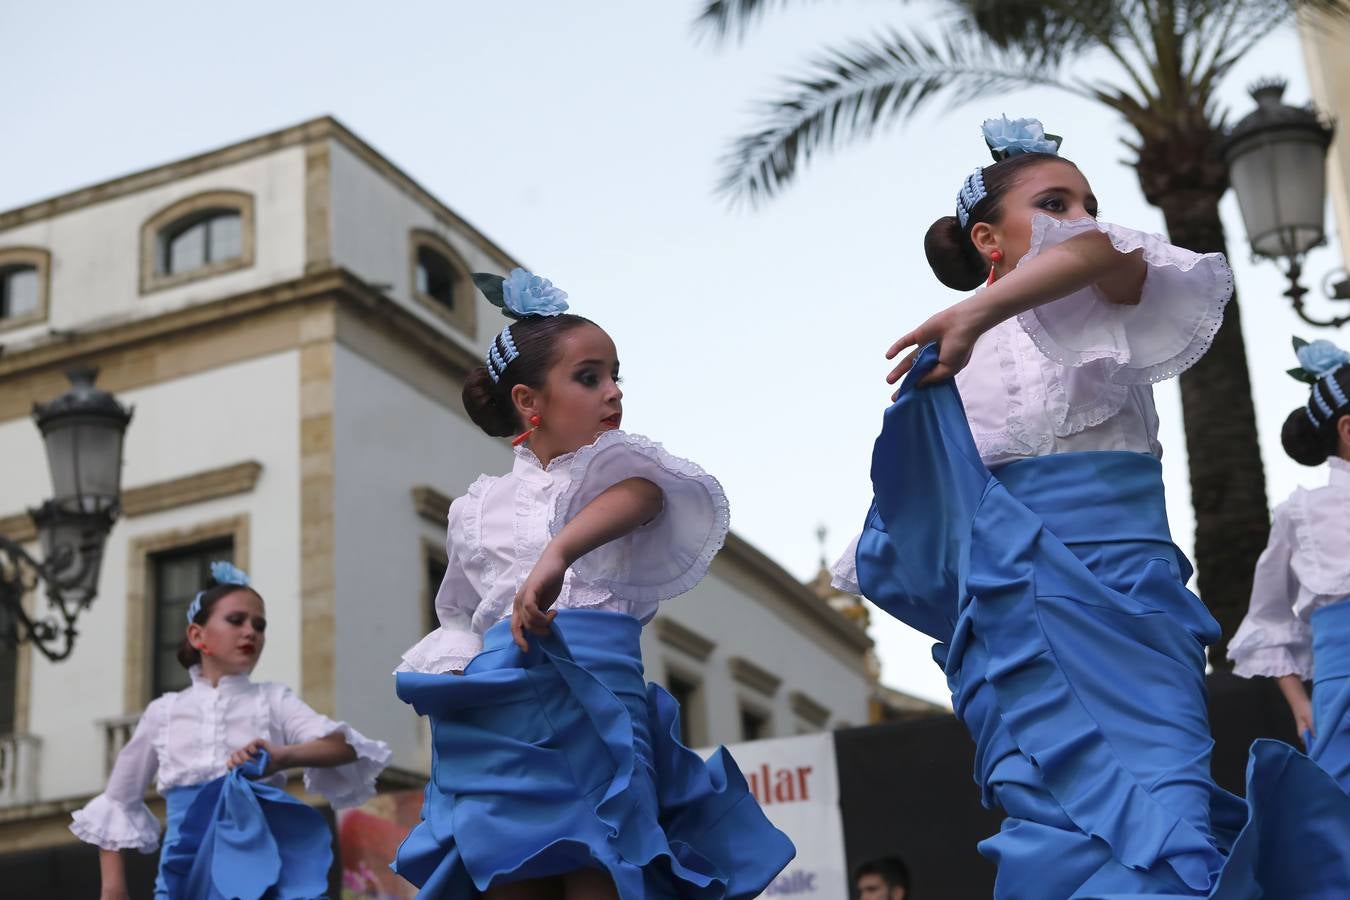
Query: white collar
[(1340, 471), (229, 684)]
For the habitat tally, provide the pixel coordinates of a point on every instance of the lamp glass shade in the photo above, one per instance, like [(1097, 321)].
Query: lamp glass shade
[(1280, 181)]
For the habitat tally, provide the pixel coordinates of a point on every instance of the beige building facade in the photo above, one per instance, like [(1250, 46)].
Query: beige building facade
[(292, 320)]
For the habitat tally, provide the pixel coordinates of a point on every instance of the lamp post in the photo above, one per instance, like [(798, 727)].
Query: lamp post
[(1276, 160), (83, 431)]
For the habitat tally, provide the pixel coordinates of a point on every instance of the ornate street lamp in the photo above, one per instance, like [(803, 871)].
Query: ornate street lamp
[(1276, 160), (83, 430)]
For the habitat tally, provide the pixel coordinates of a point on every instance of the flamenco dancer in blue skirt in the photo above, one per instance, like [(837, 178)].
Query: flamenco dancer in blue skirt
[(557, 772), (1298, 624), (219, 748), (1018, 519)]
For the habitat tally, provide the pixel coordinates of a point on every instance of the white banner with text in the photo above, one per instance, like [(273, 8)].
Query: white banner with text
[(796, 781)]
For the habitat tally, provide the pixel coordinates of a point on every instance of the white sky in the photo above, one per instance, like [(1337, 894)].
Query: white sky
[(583, 138)]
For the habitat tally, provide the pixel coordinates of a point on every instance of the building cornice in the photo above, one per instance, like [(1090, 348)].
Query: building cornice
[(740, 553), (684, 639), (753, 676), (172, 493), (431, 504), (324, 128)]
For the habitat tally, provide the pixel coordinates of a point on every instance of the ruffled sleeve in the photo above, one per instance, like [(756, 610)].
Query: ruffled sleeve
[(1179, 311), (844, 573), (450, 647), (349, 784), (668, 555), (118, 818), (1271, 640)]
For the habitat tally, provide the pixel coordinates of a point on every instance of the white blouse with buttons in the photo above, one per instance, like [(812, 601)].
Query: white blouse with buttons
[(498, 530), (1076, 374), (1305, 566), (186, 738)]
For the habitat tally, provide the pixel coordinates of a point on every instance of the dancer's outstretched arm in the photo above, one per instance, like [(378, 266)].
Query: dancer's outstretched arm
[(1084, 260)]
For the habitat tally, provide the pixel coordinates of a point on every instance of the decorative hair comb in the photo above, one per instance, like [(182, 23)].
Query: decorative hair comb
[(1318, 363), (223, 573), (518, 295), (1005, 138)]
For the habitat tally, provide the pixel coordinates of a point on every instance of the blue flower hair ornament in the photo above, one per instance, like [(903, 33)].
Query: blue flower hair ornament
[(1317, 359), (522, 294), (223, 573), (518, 295), (1013, 137), (1005, 138)]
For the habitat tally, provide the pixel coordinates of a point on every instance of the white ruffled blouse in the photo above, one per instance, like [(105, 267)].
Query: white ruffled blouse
[(499, 529), (1305, 566), (186, 737), (1077, 373)]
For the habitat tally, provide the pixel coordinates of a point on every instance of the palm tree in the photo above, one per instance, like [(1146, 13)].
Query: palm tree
[(1156, 63)]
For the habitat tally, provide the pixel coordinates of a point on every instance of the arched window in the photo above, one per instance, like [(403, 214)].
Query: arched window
[(440, 280), (23, 286), (436, 277), (197, 237), (212, 236)]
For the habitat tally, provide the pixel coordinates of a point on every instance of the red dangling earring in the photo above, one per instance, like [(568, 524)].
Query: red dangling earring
[(997, 257), (524, 436)]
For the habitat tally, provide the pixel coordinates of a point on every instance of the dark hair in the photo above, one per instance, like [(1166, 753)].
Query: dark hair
[(489, 403), (950, 251), (1311, 444), (188, 655), (892, 870)]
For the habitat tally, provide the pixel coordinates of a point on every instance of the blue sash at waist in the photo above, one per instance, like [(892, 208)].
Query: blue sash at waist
[(1100, 496), (1331, 641)]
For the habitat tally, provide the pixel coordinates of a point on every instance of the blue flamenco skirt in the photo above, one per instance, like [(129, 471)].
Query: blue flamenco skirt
[(235, 838), (1330, 747), (563, 758), (1075, 657)]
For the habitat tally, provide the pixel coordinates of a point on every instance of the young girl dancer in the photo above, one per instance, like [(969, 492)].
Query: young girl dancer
[(556, 771), (219, 748), (1074, 652), (1297, 626)]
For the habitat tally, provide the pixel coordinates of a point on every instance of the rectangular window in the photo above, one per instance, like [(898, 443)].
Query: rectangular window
[(436, 565), (177, 575), (9, 673), (754, 724), (689, 694)]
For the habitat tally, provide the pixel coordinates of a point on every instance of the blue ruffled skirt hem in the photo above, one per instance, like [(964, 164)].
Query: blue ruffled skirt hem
[(563, 758)]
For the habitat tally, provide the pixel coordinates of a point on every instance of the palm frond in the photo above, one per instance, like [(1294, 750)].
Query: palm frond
[(850, 92), (1057, 31), (1058, 28), (723, 20)]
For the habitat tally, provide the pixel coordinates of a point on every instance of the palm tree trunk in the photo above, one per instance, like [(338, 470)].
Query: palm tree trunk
[(1228, 482)]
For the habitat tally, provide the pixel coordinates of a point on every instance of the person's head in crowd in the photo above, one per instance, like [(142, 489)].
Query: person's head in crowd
[(886, 878)]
